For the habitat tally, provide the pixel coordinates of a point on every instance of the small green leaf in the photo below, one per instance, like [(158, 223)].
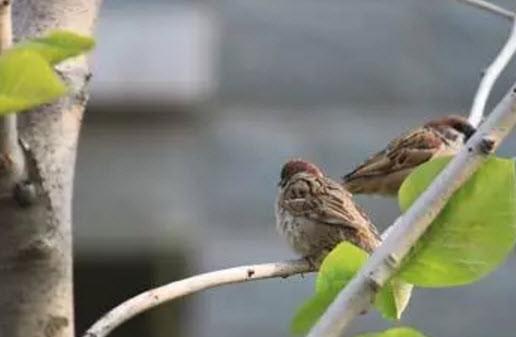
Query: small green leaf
[(394, 332), (474, 232), (393, 299), (26, 81), (58, 46), (309, 312), (402, 292), (339, 266), (334, 274)]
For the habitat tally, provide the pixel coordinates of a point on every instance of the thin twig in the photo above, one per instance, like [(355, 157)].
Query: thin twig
[(154, 297), (157, 296), (490, 8), (490, 76), (11, 159), (408, 228)]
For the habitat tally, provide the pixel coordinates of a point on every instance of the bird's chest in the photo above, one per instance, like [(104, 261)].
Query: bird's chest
[(301, 233)]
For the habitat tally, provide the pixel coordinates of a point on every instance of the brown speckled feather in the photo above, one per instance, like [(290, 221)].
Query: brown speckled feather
[(421, 144), (384, 172), (326, 202)]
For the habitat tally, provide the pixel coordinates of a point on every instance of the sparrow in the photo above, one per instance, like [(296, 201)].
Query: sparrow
[(315, 213), (384, 172)]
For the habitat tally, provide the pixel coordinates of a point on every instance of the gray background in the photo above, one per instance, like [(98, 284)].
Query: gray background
[(195, 106)]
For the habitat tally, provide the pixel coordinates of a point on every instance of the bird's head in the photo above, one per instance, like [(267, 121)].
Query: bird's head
[(453, 125), (295, 166)]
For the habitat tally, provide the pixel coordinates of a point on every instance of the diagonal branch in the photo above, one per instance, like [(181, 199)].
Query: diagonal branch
[(494, 70), (408, 228), (359, 293), (490, 8), (154, 297), (490, 76)]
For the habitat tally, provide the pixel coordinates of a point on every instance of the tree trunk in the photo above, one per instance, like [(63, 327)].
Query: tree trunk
[(36, 293)]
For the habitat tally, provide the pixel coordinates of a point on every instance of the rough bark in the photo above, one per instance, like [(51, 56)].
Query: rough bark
[(36, 238)]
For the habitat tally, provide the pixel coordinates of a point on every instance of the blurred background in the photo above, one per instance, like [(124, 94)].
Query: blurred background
[(196, 105)]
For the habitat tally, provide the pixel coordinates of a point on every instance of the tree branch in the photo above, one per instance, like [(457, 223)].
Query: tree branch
[(490, 8), (409, 227), (171, 291), (11, 157), (358, 295), (494, 70), (154, 297), (36, 236)]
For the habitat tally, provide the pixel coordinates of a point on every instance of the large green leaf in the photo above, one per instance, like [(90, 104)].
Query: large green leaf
[(394, 332), (58, 45), (474, 232), (335, 272), (26, 81)]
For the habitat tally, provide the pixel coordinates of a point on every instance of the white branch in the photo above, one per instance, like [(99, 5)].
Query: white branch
[(494, 70), (151, 298), (409, 227), (490, 8), (490, 76), (358, 295)]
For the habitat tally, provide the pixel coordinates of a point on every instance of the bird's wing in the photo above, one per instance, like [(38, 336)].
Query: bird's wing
[(402, 153), (324, 201)]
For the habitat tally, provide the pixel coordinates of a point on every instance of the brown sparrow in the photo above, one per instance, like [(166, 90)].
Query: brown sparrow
[(384, 172), (315, 213)]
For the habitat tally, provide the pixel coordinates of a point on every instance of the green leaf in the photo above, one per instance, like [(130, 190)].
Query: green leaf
[(309, 312), (474, 232), (58, 46), (26, 81), (334, 274), (394, 332), (339, 266), (393, 299)]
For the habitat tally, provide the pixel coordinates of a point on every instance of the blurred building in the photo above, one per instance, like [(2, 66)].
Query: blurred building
[(196, 104)]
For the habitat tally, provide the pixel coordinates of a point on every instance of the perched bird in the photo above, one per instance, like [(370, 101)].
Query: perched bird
[(384, 172), (315, 213)]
